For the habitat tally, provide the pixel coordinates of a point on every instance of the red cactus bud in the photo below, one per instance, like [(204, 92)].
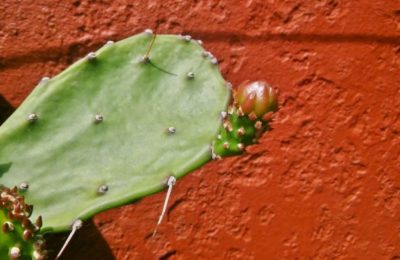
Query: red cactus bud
[(256, 97)]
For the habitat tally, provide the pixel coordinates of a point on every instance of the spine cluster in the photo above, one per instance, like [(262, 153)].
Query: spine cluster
[(246, 119), (20, 236)]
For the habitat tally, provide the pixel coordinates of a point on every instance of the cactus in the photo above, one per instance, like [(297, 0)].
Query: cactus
[(114, 126), (19, 237), (247, 118)]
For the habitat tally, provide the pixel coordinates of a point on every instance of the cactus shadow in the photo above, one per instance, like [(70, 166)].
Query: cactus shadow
[(5, 109), (87, 243), (4, 168), (77, 49)]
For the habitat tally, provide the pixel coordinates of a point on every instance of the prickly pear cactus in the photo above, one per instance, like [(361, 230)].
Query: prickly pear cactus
[(113, 127), (247, 118), (19, 238)]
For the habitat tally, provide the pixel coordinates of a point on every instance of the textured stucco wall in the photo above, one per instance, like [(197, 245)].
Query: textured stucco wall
[(324, 184)]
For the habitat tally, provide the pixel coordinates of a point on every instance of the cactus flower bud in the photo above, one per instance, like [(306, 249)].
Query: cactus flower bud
[(257, 98)]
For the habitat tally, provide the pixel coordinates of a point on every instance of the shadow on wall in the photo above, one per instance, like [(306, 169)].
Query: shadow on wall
[(5, 109), (79, 48), (87, 244)]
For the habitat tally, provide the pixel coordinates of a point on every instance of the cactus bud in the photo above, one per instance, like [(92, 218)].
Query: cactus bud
[(256, 98)]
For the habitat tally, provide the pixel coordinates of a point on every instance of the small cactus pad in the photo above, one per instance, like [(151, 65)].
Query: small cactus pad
[(113, 127), (246, 119), (19, 237)]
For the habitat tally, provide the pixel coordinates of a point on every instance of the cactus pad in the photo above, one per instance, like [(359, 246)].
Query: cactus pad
[(112, 127)]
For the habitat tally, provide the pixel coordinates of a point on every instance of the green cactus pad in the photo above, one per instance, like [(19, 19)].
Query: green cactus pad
[(112, 127)]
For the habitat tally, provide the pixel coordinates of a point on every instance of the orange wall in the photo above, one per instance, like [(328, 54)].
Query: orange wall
[(323, 184)]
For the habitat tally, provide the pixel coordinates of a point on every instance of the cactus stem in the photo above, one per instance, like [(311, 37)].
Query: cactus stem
[(24, 186), (91, 56), (240, 146), (219, 137), (75, 226), (200, 42), (98, 118), (102, 189), (190, 75), (171, 181), (32, 117), (15, 252), (228, 85)]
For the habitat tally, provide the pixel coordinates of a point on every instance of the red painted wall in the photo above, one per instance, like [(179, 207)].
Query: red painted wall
[(323, 184)]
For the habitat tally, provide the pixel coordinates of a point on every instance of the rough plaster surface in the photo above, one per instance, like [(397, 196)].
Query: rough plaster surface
[(324, 184)]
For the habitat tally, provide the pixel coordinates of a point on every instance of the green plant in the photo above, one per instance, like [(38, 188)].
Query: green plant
[(247, 118), (117, 124)]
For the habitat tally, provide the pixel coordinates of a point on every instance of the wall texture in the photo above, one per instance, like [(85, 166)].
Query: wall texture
[(323, 184)]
